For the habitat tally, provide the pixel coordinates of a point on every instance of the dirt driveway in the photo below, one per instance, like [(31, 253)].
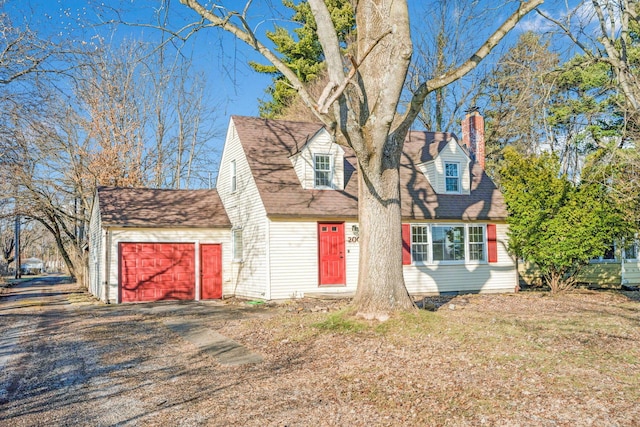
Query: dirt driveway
[(526, 359), (68, 360)]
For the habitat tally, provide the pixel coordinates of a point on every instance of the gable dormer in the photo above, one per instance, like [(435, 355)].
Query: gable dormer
[(319, 164), (449, 171)]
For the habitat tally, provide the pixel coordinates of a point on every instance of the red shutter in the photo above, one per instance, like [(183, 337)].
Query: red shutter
[(406, 244), (492, 243)]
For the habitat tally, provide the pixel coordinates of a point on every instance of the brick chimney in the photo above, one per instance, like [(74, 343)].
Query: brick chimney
[(473, 136)]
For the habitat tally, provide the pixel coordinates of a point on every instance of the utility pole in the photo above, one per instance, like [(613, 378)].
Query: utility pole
[(17, 247)]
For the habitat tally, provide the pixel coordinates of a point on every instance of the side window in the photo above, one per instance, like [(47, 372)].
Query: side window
[(452, 177), (234, 176), (419, 243), (631, 249), (476, 243), (322, 171), (237, 244)]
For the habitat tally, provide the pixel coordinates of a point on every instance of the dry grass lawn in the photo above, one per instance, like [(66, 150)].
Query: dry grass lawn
[(523, 359)]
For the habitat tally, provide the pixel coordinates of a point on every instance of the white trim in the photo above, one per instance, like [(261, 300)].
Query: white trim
[(196, 265)]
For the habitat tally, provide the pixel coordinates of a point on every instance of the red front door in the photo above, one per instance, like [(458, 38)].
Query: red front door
[(210, 272), (157, 271), (331, 250)]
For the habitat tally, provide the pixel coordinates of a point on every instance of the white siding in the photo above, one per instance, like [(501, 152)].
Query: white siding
[(245, 210), (302, 162), (631, 272), (294, 266), (164, 235), (294, 260), (434, 170), (487, 277), (96, 253)]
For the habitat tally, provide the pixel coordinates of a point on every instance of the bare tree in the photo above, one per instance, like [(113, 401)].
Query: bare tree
[(360, 105), (446, 35)]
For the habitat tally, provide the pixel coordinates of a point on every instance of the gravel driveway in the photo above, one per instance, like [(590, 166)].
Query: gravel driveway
[(68, 360)]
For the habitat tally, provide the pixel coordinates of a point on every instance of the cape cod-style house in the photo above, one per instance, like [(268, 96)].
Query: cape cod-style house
[(287, 218)]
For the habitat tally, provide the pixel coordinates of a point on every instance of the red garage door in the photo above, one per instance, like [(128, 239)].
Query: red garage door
[(157, 271)]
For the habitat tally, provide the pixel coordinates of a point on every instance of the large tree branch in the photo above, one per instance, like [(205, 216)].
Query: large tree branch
[(441, 81), (617, 58), (247, 36)]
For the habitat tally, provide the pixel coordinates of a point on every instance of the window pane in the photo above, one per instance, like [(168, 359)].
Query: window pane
[(237, 244), (452, 182), (452, 185), (631, 251), (322, 168), (419, 243), (234, 181), (448, 243), (476, 243)]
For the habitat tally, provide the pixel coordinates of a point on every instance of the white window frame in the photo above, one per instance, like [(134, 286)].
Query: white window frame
[(237, 244), (422, 244), (484, 243), (466, 245), (234, 177), (457, 179), (329, 172), (464, 258)]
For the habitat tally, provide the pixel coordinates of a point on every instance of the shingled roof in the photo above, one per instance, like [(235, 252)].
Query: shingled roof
[(268, 144), (145, 207)]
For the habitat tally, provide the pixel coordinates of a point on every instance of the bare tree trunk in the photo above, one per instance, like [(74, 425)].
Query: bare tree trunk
[(380, 282)]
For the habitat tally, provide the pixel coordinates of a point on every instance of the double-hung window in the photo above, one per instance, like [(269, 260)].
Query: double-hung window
[(322, 171), (420, 243), (476, 243), (452, 177), (448, 243)]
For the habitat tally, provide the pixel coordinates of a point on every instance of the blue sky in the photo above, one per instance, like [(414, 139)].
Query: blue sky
[(232, 83), (223, 59)]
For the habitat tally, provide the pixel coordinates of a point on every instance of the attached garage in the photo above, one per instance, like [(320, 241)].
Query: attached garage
[(152, 245)]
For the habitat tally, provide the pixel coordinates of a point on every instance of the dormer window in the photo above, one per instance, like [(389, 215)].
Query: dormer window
[(322, 171), (452, 177)]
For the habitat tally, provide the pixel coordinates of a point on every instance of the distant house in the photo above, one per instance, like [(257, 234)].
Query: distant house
[(32, 266), (291, 195), (284, 220), (147, 245)]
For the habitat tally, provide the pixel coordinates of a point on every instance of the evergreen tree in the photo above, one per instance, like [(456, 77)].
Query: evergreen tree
[(301, 51), (553, 223)]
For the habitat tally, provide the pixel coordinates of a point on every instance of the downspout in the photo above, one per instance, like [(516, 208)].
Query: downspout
[(268, 256), (107, 265)]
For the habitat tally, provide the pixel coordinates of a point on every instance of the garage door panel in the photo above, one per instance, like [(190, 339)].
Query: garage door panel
[(157, 271)]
